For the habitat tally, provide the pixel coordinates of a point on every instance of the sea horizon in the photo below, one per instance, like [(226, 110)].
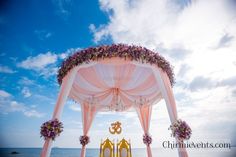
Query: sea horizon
[(94, 152)]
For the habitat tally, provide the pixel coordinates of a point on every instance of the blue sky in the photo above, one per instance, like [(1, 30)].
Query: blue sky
[(30, 29), (35, 37)]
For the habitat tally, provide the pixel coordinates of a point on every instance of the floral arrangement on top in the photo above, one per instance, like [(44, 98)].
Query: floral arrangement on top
[(51, 129), (181, 130), (136, 53)]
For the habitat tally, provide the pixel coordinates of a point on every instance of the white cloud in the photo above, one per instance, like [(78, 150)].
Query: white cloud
[(62, 8), (6, 69), (43, 34), (8, 105), (75, 107), (68, 52), (100, 33), (39, 62), (49, 71), (16, 107), (198, 39), (4, 94), (152, 23), (26, 92), (45, 64), (33, 113), (63, 55), (25, 81)]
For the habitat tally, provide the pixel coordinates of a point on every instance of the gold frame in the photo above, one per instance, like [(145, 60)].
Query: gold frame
[(107, 144), (123, 144)]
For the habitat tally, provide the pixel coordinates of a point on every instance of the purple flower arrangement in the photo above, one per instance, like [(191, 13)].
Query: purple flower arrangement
[(181, 130), (84, 140), (147, 139), (51, 129), (136, 53)]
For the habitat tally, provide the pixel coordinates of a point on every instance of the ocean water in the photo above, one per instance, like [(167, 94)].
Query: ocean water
[(73, 152)]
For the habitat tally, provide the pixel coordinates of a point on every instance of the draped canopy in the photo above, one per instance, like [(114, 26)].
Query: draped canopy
[(113, 82), (115, 78)]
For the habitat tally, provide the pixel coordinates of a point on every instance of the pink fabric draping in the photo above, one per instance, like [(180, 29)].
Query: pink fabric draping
[(90, 75), (100, 80), (88, 113), (64, 92), (144, 113), (171, 105)]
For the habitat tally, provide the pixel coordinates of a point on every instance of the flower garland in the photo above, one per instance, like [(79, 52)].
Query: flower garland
[(147, 139), (51, 129), (84, 140), (136, 53), (181, 130)]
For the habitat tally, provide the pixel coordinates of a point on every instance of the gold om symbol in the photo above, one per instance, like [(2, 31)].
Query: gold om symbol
[(115, 128)]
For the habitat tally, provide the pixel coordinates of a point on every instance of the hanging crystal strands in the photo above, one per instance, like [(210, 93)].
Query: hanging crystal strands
[(116, 104), (141, 101), (92, 100)]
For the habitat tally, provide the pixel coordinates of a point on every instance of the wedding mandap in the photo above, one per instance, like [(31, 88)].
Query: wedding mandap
[(118, 78)]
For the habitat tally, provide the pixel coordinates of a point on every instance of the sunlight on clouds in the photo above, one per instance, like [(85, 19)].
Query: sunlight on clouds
[(38, 62), (199, 39), (216, 64), (42, 63), (197, 25), (46, 64)]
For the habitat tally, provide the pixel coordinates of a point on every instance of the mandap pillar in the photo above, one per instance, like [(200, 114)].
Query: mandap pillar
[(88, 113), (168, 95), (62, 97), (144, 113)]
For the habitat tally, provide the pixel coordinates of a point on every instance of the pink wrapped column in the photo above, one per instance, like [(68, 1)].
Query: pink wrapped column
[(149, 151), (62, 97), (88, 113), (144, 113), (168, 95)]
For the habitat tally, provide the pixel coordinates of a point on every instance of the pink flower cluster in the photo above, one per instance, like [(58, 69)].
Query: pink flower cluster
[(51, 129), (84, 140), (147, 139), (136, 53), (181, 130)]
